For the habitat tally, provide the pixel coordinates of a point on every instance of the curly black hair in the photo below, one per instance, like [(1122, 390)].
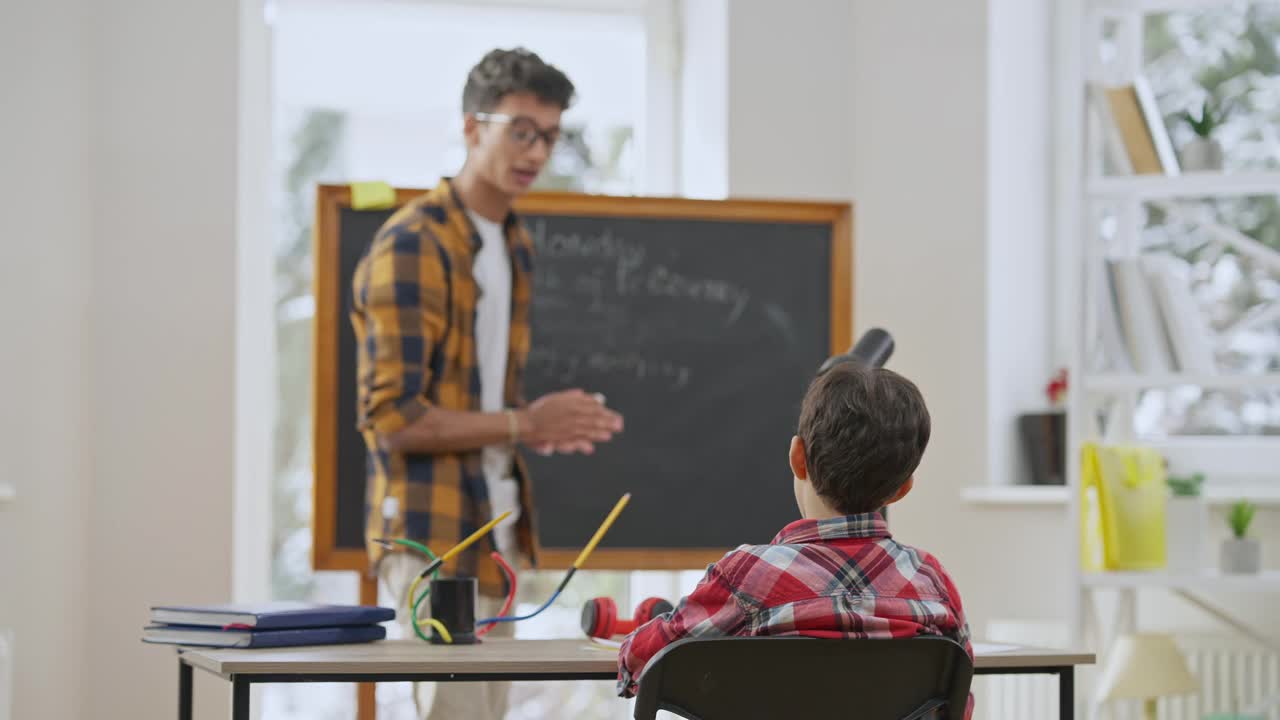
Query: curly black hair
[(502, 72)]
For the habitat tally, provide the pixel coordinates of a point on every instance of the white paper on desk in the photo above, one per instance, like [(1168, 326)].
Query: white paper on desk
[(991, 648), (606, 643)]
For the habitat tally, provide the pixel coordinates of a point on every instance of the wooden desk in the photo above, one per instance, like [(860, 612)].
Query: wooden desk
[(498, 659)]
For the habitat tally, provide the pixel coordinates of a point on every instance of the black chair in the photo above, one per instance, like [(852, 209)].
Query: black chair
[(798, 677)]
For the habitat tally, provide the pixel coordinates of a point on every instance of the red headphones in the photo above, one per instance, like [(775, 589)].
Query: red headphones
[(600, 616)]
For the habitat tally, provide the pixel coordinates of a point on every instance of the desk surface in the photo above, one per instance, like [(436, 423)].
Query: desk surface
[(496, 655)]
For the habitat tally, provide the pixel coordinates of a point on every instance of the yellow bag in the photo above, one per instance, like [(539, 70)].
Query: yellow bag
[(1126, 487)]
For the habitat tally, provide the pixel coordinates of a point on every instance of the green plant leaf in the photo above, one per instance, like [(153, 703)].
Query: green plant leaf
[(1241, 517), (1185, 485), (1211, 117)]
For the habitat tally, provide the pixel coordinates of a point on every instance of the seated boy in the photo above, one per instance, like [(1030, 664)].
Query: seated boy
[(837, 573)]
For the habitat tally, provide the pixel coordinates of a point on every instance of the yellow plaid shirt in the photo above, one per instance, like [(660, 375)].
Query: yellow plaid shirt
[(413, 312)]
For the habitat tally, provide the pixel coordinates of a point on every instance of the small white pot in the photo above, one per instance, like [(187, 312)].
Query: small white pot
[(1201, 154), (1186, 527), (1241, 556)]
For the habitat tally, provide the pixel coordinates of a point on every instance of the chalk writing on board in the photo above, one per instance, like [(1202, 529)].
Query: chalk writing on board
[(625, 270), (566, 366)]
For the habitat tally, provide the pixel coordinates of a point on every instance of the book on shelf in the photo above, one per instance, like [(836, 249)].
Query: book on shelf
[(1115, 353), (1114, 151), (1134, 132), (1148, 320), (1190, 337), (1140, 320)]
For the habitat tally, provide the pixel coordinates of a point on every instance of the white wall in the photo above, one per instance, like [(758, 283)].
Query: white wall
[(789, 111), (44, 274), (922, 158), (1019, 241), (255, 325), (162, 334), (895, 106), (119, 273)]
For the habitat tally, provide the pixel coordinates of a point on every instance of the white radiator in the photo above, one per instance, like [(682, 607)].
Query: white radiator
[(1015, 697), (1020, 697), (1235, 676)]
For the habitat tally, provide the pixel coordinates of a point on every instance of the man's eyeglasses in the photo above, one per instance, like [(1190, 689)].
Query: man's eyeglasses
[(521, 130)]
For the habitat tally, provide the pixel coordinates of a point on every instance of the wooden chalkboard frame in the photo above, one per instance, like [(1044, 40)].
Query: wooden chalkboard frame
[(332, 199)]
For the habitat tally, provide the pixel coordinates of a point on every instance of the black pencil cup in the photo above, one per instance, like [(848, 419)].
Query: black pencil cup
[(453, 602)]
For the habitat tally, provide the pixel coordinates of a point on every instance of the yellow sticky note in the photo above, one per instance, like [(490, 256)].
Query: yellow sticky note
[(372, 195)]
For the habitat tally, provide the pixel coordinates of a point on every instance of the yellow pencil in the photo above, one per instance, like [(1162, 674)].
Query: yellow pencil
[(604, 528), (484, 529)]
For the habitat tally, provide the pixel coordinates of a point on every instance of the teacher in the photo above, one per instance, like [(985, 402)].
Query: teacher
[(441, 317)]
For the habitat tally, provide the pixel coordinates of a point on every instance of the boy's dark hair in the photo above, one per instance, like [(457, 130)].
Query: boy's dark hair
[(864, 431), (503, 72)]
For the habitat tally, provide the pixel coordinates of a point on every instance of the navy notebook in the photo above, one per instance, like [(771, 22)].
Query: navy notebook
[(213, 637), (271, 615)]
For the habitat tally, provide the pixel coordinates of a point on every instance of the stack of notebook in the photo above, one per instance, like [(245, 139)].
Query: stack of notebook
[(274, 624)]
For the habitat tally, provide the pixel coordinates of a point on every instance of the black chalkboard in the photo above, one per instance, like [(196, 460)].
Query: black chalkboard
[(702, 322), (358, 229)]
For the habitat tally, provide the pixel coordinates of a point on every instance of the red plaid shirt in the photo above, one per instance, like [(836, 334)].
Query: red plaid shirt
[(838, 578)]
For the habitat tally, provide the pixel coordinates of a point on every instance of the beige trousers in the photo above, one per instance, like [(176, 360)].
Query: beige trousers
[(441, 701)]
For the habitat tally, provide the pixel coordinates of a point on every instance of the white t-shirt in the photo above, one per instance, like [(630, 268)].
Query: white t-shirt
[(492, 271)]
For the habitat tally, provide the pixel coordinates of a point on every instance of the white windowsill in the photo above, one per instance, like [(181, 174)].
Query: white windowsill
[(1050, 495), (1194, 184), (1207, 581), (1016, 495)]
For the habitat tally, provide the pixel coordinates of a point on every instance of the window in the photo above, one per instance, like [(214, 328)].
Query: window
[(371, 90), (1225, 57)]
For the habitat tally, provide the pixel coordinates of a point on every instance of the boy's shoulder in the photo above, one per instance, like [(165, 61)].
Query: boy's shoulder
[(749, 572), (931, 566), (781, 552), (746, 555), (750, 569), (753, 567), (926, 559)]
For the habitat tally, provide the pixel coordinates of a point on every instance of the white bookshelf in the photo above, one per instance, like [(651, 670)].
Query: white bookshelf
[(1265, 495), (1206, 582), (1194, 184), (1156, 6), (1013, 495), (1135, 382), (1079, 195)]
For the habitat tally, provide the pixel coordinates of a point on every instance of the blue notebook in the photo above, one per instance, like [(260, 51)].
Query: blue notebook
[(277, 615), (213, 637)]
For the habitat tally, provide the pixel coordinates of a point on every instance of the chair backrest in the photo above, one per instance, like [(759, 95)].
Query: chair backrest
[(795, 677)]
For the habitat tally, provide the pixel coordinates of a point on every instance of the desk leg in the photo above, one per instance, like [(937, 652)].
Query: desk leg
[(239, 698), (184, 690), (366, 693), (1067, 693)]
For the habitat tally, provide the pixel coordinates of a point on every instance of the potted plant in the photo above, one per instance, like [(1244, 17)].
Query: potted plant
[(1044, 436), (1204, 152), (1240, 553), (1186, 523)]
